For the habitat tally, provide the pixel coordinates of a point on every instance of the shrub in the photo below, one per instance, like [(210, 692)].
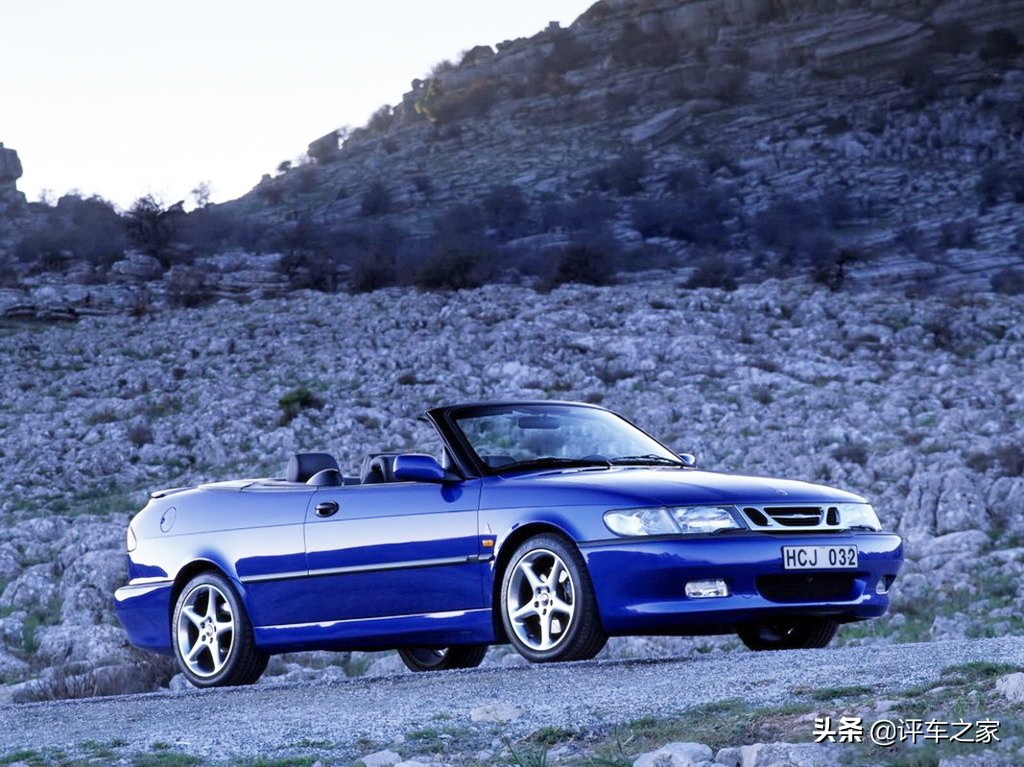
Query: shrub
[(635, 47), (1000, 45), (952, 37), (997, 180), (140, 434), (727, 83), (795, 229), (505, 207), (295, 401), (958, 234), (853, 452), (89, 228), (307, 259), (456, 262), (381, 120), (307, 178), (422, 184), (475, 100), (376, 200), (152, 228), (829, 266), (623, 176), (369, 274), (714, 272), (589, 213), (589, 261), (696, 217), (464, 218), (1009, 282)]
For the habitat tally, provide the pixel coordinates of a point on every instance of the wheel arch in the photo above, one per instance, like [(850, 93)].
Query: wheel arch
[(187, 573), (503, 557)]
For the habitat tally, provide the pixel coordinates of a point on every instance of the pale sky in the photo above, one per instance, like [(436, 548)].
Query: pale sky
[(122, 98)]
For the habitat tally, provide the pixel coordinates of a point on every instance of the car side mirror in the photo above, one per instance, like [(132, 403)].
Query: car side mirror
[(689, 459), (415, 467)]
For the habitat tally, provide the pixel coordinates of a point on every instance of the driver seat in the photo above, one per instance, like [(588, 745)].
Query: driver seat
[(377, 468)]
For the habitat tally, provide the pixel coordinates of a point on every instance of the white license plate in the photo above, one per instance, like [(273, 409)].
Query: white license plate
[(819, 557)]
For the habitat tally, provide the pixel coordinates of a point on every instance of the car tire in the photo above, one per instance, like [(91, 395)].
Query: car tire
[(443, 658), (789, 633), (544, 622), (212, 636)]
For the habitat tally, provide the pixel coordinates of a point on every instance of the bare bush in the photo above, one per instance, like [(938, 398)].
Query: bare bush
[(623, 176)]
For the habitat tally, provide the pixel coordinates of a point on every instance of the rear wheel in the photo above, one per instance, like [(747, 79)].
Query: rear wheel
[(548, 606), (789, 633), (443, 658), (212, 636)]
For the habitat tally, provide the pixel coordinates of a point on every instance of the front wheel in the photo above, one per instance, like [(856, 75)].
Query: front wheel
[(443, 658), (548, 606), (212, 636), (788, 633)]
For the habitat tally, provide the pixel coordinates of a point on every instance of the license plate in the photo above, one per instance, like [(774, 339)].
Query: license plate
[(819, 557)]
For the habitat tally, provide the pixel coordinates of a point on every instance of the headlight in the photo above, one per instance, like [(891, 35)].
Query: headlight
[(858, 515), (686, 520)]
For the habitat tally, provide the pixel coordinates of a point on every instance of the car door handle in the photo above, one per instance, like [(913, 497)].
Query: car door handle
[(326, 509)]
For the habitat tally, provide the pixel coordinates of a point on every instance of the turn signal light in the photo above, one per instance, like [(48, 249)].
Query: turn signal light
[(132, 542)]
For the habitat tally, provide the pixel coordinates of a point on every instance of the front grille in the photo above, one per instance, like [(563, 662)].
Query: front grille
[(804, 587), (790, 516), (782, 519)]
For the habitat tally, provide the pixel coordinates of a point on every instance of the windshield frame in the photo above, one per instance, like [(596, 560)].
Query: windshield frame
[(446, 419)]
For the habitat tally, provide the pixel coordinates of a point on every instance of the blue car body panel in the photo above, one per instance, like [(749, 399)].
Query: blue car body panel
[(418, 563)]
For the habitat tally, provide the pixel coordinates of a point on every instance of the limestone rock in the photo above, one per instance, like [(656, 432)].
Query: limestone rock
[(1012, 687), (495, 712), (675, 755), (789, 755), (381, 759)]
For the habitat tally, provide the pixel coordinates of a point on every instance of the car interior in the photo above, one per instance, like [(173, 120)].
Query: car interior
[(322, 470)]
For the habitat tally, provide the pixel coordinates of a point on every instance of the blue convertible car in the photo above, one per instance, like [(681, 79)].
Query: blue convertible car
[(549, 525)]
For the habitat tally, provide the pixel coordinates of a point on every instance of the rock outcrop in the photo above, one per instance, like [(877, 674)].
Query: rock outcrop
[(10, 172)]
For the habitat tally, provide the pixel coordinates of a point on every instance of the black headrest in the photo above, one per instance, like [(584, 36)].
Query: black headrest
[(302, 466), (326, 478), (377, 467)]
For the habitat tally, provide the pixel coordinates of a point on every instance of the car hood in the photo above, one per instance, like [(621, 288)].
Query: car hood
[(669, 486)]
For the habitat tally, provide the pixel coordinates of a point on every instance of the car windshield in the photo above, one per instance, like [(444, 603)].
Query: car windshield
[(510, 437)]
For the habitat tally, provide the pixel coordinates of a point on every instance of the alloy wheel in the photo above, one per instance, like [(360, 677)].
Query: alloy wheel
[(205, 631), (541, 600)]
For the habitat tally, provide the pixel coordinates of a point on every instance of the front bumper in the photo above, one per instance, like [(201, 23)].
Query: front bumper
[(640, 583)]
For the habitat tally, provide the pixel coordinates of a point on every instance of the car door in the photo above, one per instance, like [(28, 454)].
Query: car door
[(393, 549)]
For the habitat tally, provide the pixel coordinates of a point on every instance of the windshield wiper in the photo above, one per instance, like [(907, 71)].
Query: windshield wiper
[(553, 462), (648, 458)]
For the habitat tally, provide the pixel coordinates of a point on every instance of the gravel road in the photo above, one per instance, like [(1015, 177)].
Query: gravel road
[(232, 723)]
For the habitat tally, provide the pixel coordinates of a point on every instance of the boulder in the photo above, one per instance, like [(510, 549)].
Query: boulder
[(1012, 687), (789, 755), (675, 755), (139, 266)]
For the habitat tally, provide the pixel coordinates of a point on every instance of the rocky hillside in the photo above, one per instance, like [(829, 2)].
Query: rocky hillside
[(915, 403), (879, 140), (721, 141)]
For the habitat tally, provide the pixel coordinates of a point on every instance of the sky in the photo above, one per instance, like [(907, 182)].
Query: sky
[(123, 98)]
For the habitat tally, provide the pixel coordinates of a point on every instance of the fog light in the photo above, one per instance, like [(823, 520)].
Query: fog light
[(704, 589), (884, 583)]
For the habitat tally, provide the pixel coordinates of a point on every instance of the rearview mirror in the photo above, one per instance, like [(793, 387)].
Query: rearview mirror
[(689, 459), (538, 422), (415, 467)]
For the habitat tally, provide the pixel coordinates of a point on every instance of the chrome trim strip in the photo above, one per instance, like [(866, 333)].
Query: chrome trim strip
[(792, 512), (329, 624), (351, 569)]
